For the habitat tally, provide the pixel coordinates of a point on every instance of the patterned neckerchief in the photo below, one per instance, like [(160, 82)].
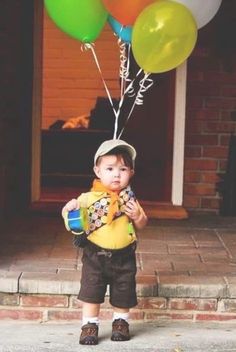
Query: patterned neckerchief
[(107, 208)]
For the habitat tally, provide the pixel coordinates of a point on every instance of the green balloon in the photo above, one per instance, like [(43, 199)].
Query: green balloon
[(81, 19)]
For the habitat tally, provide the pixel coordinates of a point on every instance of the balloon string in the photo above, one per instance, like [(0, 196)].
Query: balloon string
[(90, 46), (123, 59), (143, 87), (124, 64), (130, 87), (144, 84)]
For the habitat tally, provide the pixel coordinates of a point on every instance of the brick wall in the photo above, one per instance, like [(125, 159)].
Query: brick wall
[(210, 113), (44, 308), (71, 80)]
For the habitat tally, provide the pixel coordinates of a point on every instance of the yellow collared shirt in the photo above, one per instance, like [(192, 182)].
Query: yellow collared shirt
[(116, 235)]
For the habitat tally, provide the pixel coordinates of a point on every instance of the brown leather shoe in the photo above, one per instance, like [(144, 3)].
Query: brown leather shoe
[(89, 334), (120, 330)]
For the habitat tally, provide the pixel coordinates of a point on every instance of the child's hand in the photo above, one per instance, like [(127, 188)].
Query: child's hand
[(132, 210), (73, 204), (136, 213)]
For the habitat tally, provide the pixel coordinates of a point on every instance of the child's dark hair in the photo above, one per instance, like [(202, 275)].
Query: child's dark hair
[(120, 151)]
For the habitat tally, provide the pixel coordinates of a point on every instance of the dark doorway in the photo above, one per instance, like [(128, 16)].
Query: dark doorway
[(67, 155)]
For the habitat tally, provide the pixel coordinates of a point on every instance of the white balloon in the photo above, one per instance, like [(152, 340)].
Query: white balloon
[(202, 10)]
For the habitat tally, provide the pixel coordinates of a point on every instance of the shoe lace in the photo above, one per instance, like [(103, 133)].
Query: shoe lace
[(90, 329)]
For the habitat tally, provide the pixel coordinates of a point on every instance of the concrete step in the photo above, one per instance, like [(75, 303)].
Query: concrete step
[(186, 271)]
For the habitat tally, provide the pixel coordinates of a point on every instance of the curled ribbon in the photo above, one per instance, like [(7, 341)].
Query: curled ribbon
[(144, 84)]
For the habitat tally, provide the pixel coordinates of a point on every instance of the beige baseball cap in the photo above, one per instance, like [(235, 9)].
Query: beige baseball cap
[(110, 144)]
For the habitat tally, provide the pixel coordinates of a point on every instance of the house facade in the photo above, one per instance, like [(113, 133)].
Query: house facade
[(204, 111)]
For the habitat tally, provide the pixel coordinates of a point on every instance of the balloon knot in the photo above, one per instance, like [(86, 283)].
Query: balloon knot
[(87, 46)]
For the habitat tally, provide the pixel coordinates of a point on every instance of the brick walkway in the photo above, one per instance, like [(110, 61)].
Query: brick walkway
[(186, 270)]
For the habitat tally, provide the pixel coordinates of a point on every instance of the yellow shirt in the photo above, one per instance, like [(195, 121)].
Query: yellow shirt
[(116, 235)]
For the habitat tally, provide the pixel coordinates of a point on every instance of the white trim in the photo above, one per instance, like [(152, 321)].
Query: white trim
[(179, 134)]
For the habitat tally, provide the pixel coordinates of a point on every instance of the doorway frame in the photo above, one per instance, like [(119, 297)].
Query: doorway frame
[(37, 101), (179, 118)]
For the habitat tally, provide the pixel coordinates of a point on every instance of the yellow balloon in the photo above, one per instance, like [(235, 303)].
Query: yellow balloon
[(164, 35)]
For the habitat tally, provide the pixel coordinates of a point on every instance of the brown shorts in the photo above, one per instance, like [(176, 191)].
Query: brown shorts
[(116, 268)]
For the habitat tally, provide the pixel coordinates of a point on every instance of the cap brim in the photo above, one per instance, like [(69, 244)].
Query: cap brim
[(109, 145)]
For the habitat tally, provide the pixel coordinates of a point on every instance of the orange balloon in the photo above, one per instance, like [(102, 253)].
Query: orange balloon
[(126, 11)]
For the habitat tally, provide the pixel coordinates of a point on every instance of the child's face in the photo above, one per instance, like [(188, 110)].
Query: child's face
[(113, 173)]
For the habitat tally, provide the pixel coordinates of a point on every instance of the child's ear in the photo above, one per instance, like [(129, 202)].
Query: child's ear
[(132, 172), (96, 171)]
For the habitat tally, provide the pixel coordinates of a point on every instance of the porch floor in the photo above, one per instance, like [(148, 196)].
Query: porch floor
[(179, 261)]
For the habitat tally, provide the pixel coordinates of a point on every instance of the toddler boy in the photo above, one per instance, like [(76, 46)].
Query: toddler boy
[(114, 215)]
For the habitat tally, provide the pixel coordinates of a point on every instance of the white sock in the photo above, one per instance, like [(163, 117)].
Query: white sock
[(87, 320), (124, 316)]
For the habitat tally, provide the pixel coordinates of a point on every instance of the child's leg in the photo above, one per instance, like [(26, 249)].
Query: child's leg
[(90, 313), (89, 333)]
